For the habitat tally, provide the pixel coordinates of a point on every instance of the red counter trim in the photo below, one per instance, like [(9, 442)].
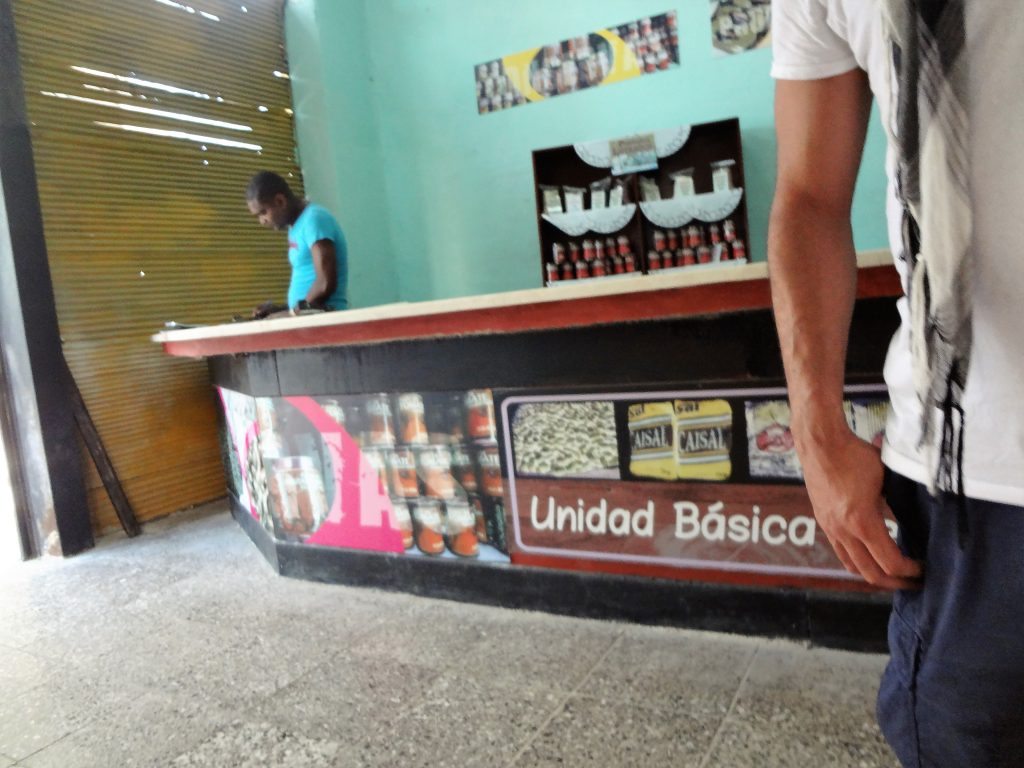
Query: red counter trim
[(873, 282)]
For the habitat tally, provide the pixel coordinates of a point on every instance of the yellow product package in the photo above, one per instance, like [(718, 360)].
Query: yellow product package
[(651, 438), (703, 439)]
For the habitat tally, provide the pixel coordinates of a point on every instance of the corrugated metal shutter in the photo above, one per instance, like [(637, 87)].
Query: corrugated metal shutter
[(148, 117)]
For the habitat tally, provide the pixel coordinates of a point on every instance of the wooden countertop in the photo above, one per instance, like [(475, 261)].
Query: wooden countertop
[(674, 293)]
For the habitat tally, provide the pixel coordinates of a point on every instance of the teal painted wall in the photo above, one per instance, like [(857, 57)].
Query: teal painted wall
[(338, 137), (457, 188)]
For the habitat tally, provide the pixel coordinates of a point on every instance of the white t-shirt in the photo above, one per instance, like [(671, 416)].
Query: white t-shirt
[(816, 39)]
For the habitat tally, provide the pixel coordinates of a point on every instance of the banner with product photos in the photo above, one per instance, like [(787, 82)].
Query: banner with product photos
[(669, 483), (414, 473), (607, 56)]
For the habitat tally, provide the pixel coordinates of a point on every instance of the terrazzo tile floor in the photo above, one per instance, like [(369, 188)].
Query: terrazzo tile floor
[(183, 648)]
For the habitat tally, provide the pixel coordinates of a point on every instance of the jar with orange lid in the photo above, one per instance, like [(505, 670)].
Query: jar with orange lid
[(434, 464), (460, 528), (403, 519), (428, 526)]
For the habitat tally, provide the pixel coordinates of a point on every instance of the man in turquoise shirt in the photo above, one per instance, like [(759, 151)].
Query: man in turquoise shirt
[(317, 250)]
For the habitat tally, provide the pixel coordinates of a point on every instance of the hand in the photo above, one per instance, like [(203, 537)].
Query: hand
[(844, 480), (264, 309)]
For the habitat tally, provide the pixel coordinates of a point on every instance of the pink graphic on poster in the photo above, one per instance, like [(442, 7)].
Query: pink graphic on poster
[(361, 516)]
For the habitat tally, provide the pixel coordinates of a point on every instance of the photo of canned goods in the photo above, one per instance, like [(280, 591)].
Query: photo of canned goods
[(428, 526), (412, 425), (380, 421), (434, 464), (402, 473), (403, 519), (480, 414), (460, 529)]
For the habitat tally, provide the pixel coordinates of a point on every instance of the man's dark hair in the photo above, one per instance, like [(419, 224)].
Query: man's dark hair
[(266, 185)]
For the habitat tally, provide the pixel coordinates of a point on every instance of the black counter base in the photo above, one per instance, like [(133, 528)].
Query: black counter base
[(852, 622)]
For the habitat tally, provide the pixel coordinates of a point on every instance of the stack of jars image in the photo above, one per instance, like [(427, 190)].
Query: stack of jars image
[(695, 244), (297, 503), (591, 257), (437, 456)]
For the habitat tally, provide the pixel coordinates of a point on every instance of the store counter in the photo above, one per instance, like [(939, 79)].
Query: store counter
[(612, 447)]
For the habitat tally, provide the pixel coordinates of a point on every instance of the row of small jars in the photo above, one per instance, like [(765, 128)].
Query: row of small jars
[(373, 422), (459, 525), (703, 254), (694, 236), (594, 258), (438, 471)]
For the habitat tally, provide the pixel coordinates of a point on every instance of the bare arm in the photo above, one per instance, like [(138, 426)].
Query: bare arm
[(326, 265), (821, 126)]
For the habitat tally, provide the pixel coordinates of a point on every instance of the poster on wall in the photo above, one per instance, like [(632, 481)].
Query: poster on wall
[(738, 26), (668, 483), (607, 56), (411, 473)]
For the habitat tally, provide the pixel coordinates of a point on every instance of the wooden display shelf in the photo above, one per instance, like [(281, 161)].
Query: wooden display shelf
[(563, 166)]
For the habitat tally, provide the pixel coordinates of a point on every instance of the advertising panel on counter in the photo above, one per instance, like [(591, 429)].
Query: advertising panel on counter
[(684, 484), (409, 472), (669, 484)]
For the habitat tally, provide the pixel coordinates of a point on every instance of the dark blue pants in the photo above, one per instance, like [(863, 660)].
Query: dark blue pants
[(953, 692)]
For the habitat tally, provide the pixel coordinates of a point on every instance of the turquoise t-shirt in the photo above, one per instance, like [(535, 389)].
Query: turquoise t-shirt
[(313, 225)]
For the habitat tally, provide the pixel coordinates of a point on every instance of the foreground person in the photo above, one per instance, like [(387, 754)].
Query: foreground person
[(946, 77)]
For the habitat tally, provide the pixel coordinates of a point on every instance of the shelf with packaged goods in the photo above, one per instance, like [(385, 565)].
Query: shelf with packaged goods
[(704, 215)]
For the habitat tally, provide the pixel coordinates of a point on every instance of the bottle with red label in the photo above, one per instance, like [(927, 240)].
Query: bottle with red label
[(588, 250), (404, 521), (402, 471), (428, 526), (463, 468), (460, 529), (381, 422), (490, 470), (739, 249), (412, 424), (653, 261), (480, 415)]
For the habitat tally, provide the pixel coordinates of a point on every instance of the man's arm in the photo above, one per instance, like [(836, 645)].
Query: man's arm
[(325, 263), (268, 308), (821, 125)]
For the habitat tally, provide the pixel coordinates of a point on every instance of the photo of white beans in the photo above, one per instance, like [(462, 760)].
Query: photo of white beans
[(566, 440)]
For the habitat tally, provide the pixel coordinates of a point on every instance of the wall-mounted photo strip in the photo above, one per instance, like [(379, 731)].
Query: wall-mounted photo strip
[(607, 56), (404, 472), (738, 26)]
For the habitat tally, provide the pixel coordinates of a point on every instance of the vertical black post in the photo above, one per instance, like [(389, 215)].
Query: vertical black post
[(49, 460)]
